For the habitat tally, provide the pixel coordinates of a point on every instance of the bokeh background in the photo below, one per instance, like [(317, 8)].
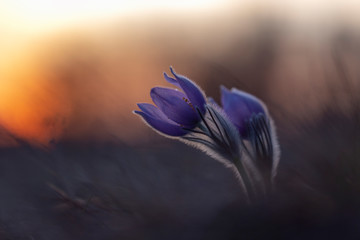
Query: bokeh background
[(75, 163)]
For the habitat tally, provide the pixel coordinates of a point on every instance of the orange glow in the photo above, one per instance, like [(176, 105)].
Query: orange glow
[(71, 87), (77, 72), (29, 107)]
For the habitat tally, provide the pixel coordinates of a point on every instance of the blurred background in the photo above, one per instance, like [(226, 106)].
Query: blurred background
[(77, 164)]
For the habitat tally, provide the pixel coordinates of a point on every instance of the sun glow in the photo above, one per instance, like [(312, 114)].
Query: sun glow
[(29, 106), (32, 106)]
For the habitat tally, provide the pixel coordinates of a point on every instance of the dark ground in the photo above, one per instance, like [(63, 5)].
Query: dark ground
[(166, 190)]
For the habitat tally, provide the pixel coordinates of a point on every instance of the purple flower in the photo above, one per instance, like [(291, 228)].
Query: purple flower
[(175, 111), (240, 107)]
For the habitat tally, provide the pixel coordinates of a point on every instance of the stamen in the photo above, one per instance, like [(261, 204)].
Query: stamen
[(188, 102)]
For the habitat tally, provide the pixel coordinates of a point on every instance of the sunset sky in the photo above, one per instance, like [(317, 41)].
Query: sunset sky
[(68, 66)]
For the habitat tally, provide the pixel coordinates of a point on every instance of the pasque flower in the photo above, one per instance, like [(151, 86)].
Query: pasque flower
[(240, 133), (251, 118), (240, 108), (175, 112)]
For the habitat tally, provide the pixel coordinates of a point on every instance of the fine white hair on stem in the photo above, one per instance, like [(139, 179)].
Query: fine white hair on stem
[(253, 159), (216, 135), (219, 138)]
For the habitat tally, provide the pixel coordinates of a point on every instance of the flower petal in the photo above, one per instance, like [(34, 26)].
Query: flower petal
[(240, 106), (164, 126), (153, 111), (191, 90), (172, 103), (171, 80)]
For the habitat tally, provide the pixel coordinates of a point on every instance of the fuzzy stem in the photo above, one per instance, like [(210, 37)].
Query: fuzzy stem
[(245, 178)]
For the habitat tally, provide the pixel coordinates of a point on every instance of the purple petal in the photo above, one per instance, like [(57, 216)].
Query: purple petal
[(252, 103), (172, 103), (240, 106), (191, 90), (153, 111), (160, 124), (171, 80)]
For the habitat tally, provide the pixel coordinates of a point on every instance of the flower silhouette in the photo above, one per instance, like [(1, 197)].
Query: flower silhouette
[(175, 112)]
